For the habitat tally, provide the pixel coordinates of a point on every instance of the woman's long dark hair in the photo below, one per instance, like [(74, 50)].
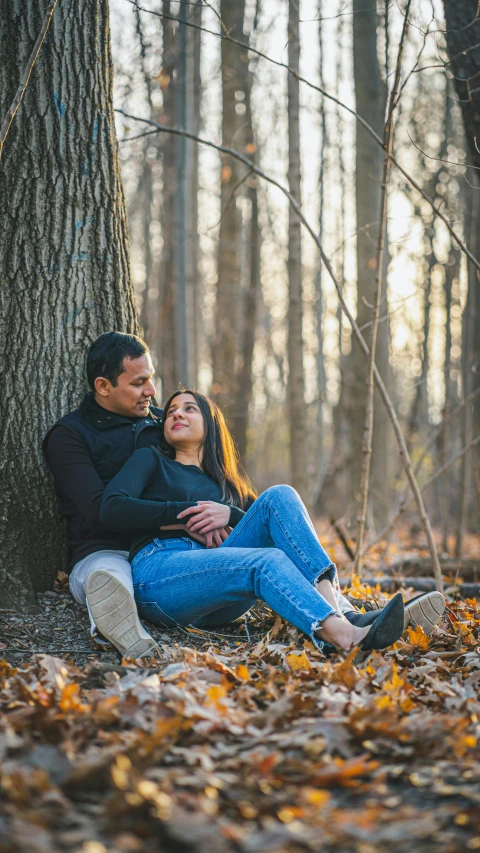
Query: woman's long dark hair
[(220, 456)]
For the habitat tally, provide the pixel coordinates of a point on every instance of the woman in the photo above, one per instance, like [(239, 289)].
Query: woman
[(272, 554)]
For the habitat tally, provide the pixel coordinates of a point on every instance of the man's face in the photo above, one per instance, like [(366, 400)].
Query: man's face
[(131, 395)]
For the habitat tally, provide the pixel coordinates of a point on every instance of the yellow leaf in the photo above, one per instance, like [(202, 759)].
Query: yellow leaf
[(70, 699), (346, 673), (383, 702), (298, 662), (316, 797), (417, 638), (226, 174), (395, 684), (243, 672), (215, 695), (289, 813), (250, 148)]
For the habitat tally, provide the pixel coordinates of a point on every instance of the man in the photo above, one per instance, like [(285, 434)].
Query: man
[(85, 450)]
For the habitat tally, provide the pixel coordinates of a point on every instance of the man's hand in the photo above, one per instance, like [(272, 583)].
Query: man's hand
[(210, 540), (206, 517)]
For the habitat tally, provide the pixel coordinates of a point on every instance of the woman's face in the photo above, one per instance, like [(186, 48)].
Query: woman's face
[(184, 426)]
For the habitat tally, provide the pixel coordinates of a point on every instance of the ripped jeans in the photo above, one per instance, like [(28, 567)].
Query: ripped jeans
[(273, 554)]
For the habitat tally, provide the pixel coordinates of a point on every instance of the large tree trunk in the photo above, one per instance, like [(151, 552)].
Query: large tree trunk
[(296, 378), (63, 261)]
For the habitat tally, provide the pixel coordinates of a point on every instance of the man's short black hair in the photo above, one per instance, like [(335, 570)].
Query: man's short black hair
[(106, 355)]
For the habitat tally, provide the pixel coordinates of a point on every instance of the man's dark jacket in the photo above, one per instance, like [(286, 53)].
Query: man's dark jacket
[(84, 451)]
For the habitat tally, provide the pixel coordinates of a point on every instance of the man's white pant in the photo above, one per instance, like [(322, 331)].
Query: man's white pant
[(116, 563)]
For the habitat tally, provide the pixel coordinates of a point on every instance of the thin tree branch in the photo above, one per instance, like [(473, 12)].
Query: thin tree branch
[(337, 101), (402, 446), (26, 76)]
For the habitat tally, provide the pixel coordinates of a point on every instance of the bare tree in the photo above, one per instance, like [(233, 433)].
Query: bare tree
[(224, 347), (296, 377), (463, 44), (165, 334), (340, 488)]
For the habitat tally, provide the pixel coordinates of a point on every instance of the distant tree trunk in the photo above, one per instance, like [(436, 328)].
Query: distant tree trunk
[(183, 202), (249, 293), (147, 210), (321, 378), (419, 411), (296, 378), (462, 35), (224, 348), (340, 488), (194, 293), (64, 262), (370, 103), (166, 317), (145, 191), (244, 378)]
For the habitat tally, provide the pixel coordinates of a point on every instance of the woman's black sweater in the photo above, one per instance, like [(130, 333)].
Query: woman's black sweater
[(150, 491)]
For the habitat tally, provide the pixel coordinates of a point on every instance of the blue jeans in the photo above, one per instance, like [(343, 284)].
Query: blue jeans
[(273, 554)]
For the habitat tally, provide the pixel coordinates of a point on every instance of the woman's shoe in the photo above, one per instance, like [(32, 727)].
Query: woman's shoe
[(388, 626), (425, 610)]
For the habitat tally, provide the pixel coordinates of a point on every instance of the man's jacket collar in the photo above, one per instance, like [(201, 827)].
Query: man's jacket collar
[(101, 418)]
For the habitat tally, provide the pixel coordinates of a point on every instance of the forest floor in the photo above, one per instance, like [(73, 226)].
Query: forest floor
[(248, 740)]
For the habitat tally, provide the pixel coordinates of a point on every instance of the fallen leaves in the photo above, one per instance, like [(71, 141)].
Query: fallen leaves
[(264, 748)]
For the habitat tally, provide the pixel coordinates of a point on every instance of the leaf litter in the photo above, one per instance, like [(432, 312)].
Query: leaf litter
[(250, 740)]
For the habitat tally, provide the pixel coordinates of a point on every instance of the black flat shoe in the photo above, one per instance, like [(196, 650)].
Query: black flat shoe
[(361, 620), (388, 626)]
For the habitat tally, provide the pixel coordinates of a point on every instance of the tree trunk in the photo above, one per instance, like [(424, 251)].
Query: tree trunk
[(248, 295), (166, 316), (224, 349), (64, 262), (370, 103), (296, 378), (463, 44), (194, 293), (340, 489)]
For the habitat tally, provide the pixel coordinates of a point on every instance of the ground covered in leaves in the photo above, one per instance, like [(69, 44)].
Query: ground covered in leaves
[(249, 740)]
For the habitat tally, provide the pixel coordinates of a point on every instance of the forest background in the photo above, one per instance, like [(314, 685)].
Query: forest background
[(248, 311)]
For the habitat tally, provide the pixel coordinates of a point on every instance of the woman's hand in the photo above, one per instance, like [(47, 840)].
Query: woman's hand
[(206, 517), (210, 540)]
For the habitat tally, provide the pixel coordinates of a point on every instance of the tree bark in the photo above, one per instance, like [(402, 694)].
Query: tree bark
[(64, 262), (463, 45), (340, 488), (296, 377), (370, 103), (224, 349), (166, 316), (249, 294)]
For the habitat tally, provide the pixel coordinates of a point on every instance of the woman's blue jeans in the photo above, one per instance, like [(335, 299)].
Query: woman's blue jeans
[(273, 554)]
